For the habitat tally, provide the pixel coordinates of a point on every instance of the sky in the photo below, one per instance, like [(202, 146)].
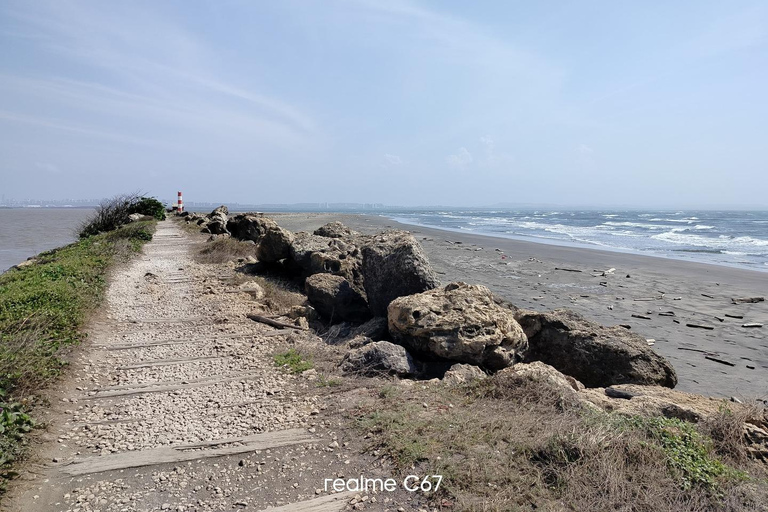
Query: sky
[(651, 104)]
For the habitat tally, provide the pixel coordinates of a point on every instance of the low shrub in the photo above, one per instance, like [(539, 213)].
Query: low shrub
[(114, 212)]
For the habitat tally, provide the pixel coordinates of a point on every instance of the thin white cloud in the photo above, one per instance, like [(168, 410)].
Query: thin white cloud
[(65, 126), (165, 73), (393, 160), (460, 160)]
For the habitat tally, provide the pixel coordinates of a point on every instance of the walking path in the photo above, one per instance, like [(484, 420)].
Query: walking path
[(177, 405)]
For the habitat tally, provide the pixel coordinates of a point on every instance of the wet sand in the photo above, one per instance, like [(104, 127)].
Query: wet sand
[(526, 274)]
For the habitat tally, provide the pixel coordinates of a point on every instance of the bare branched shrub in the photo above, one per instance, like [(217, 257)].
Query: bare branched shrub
[(109, 215)]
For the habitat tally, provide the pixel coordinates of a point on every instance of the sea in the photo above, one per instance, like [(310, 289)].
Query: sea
[(732, 238), (25, 232)]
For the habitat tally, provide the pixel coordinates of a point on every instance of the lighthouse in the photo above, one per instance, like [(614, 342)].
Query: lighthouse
[(180, 204)]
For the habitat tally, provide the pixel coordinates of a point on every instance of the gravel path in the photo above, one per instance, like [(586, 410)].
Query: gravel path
[(211, 380)]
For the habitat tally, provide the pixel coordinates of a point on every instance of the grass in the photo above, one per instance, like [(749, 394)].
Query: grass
[(43, 307), (224, 250), (293, 361), (502, 445)]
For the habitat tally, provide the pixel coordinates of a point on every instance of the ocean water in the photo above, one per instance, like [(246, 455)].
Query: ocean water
[(25, 232), (734, 238)]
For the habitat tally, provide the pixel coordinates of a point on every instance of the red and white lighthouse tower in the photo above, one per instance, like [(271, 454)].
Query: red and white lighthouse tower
[(180, 205)]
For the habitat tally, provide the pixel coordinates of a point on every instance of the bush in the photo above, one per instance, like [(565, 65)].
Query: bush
[(149, 206), (113, 213)]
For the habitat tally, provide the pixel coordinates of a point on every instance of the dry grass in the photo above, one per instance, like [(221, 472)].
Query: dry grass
[(280, 295), (224, 250), (510, 445)]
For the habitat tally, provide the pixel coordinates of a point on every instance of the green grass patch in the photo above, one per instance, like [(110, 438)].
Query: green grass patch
[(293, 361), (43, 305)]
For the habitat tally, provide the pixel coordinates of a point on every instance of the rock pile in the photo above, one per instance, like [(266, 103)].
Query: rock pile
[(387, 281), (387, 306)]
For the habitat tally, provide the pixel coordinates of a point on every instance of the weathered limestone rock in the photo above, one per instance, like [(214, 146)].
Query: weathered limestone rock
[(380, 357), (459, 322), (596, 355), (335, 230), (335, 298), (462, 374), (217, 220), (316, 254), (273, 243), (540, 372), (394, 265)]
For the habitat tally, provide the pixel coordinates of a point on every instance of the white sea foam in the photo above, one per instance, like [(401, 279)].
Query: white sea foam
[(722, 242), (635, 225)]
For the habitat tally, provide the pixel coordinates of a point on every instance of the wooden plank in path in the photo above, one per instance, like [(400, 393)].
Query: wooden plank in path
[(166, 455), (160, 343), (161, 387), (330, 503), (169, 362)]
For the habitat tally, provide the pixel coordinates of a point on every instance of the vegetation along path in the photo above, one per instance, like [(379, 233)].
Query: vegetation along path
[(176, 404)]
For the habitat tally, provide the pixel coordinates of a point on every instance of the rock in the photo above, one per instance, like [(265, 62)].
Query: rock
[(316, 254), (217, 220), (596, 355), (273, 243), (335, 298), (380, 357), (462, 374), (253, 289), (375, 328), (307, 312), (540, 372), (335, 230), (459, 322), (135, 217), (393, 266)]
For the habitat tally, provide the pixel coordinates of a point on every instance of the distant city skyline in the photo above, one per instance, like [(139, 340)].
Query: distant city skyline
[(405, 102)]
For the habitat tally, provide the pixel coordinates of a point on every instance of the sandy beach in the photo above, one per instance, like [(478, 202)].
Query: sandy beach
[(666, 295)]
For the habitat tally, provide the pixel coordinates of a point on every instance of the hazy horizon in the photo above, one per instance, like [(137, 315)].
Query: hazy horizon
[(653, 105)]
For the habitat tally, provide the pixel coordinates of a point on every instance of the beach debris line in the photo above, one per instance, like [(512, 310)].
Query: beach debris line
[(748, 300)]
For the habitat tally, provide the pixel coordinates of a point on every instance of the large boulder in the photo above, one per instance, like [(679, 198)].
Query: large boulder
[(316, 254), (393, 266), (273, 243), (335, 230), (460, 322), (596, 355), (217, 220), (380, 357), (335, 298)]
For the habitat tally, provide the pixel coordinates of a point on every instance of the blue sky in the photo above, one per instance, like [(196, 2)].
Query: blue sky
[(602, 103)]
